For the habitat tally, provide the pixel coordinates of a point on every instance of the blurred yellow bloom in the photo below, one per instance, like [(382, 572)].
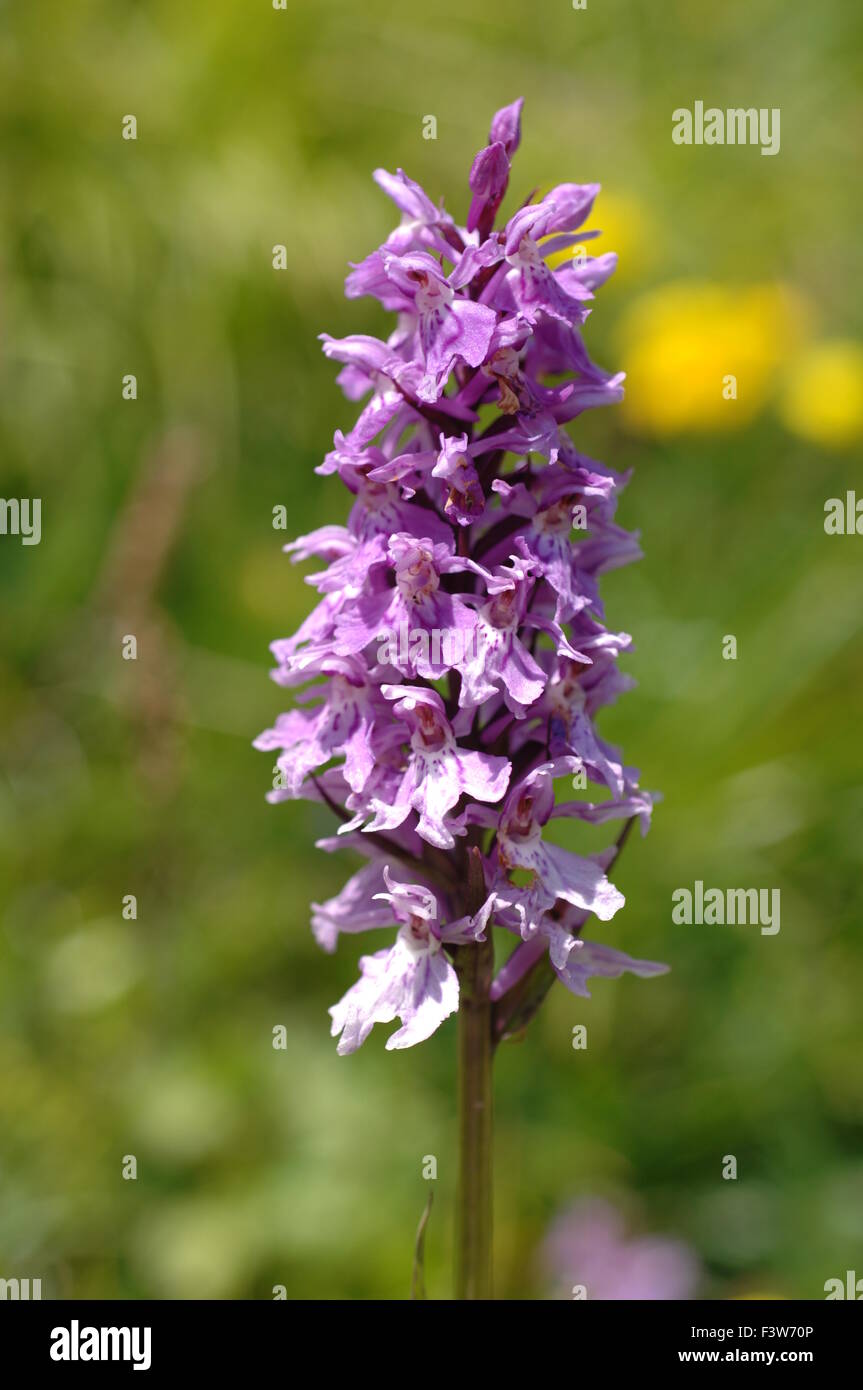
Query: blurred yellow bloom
[(626, 226), (822, 398), (704, 357)]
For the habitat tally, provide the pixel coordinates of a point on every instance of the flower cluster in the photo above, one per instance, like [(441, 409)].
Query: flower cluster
[(474, 515)]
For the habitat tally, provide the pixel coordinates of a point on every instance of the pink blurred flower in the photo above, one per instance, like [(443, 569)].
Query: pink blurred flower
[(587, 1248)]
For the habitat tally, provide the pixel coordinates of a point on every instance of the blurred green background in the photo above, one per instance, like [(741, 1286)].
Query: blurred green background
[(153, 1037)]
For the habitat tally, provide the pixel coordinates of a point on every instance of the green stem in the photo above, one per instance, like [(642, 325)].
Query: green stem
[(475, 965)]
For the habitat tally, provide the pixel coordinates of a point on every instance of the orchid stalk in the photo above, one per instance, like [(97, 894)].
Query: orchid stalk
[(458, 657)]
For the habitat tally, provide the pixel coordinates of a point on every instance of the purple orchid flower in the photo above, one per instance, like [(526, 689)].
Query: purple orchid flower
[(448, 327), (489, 175), (413, 980), (438, 771), (457, 660), (557, 873), (341, 724)]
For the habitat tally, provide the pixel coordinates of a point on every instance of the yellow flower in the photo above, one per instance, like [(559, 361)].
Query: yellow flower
[(823, 396), (704, 357), (626, 227)]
